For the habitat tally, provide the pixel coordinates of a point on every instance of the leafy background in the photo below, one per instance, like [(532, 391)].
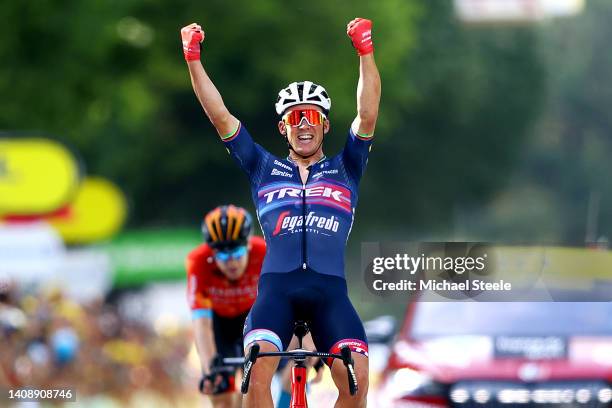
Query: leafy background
[(488, 133)]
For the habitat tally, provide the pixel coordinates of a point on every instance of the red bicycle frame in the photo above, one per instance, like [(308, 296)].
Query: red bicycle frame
[(298, 386)]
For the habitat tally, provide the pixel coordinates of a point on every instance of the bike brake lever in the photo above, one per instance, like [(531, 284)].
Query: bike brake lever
[(248, 365), (345, 352)]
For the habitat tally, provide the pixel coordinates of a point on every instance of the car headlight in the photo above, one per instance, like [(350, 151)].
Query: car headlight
[(407, 382)]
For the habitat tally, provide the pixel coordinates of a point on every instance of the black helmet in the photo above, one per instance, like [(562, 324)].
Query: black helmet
[(227, 227)]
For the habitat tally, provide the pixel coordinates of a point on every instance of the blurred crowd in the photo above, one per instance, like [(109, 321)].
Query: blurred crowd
[(50, 341)]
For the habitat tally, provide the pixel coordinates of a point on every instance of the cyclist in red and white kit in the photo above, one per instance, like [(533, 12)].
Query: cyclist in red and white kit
[(305, 205), (222, 278)]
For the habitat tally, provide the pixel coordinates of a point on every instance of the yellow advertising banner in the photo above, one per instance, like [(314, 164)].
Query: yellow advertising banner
[(97, 213), (563, 266), (37, 176)]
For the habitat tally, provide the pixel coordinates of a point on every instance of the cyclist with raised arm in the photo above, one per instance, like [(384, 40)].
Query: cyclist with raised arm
[(222, 278), (305, 205)]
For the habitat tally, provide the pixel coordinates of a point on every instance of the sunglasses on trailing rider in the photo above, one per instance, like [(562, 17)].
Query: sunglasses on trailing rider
[(224, 256), (312, 116)]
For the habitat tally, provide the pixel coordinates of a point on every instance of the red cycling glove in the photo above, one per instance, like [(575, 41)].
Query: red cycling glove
[(192, 35), (360, 32)]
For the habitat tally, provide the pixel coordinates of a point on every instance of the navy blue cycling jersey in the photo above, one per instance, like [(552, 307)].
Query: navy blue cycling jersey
[(304, 225)]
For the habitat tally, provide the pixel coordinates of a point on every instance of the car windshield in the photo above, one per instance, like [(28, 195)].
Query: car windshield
[(434, 319)]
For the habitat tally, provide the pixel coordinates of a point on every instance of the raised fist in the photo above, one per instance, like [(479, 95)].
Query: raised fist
[(192, 36), (360, 32)]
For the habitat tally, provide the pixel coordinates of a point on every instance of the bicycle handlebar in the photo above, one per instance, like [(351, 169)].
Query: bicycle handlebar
[(298, 355), (233, 361)]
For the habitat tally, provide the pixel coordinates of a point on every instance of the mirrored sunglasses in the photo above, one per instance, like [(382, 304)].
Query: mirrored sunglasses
[(236, 253), (312, 116)]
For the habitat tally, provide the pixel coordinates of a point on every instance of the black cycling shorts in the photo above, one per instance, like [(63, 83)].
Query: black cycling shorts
[(228, 334), (320, 300), (228, 340)]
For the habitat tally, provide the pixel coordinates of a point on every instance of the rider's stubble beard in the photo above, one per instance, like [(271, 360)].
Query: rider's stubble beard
[(313, 152)]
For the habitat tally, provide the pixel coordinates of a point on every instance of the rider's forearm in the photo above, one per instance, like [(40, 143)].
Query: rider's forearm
[(211, 99), (368, 95), (205, 342)]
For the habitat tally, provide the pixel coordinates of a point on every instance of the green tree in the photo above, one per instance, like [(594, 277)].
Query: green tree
[(475, 94), (571, 156), (565, 165), (108, 78)]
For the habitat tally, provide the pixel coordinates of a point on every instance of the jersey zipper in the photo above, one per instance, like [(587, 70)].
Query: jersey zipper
[(304, 260), (309, 168)]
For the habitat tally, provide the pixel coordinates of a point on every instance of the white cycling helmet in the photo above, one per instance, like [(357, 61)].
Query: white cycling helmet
[(297, 93)]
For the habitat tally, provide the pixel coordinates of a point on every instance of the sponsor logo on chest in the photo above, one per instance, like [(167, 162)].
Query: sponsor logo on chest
[(240, 291), (320, 191), (283, 165), (324, 173), (277, 172), (287, 223)]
